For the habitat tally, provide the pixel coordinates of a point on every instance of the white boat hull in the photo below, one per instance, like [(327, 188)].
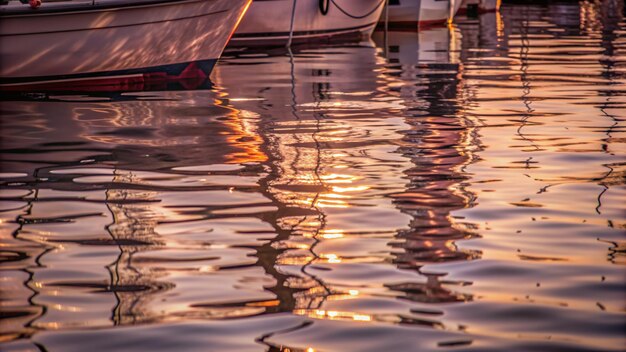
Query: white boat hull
[(268, 22), (410, 13), (122, 39)]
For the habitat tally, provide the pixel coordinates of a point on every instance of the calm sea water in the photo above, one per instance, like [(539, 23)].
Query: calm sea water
[(456, 189)]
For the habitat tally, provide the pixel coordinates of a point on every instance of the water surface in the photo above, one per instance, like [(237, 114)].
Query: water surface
[(454, 189)]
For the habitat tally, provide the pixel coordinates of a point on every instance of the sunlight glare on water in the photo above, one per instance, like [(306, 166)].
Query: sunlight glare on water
[(456, 189)]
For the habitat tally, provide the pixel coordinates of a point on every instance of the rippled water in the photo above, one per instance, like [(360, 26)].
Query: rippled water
[(455, 189)]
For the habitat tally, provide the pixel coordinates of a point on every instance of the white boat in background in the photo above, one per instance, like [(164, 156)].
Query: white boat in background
[(112, 44), (268, 22), (421, 13), (479, 6)]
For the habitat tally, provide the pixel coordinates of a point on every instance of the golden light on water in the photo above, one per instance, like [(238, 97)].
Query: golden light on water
[(339, 178), (335, 196), (330, 203), (271, 303), (499, 25), (332, 234), (333, 315), (331, 258), (339, 189), (242, 130)]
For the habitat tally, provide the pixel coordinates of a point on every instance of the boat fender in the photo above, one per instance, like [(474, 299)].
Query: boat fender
[(324, 6)]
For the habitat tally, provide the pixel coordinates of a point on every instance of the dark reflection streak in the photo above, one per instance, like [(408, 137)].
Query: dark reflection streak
[(600, 198), (41, 347), (321, 216), (608, 38), (268, 255), (31, 299), (602, 109), (30, 273), (614, 249), (604, 185), (264, 337), (545, 188), (14, 209), (113, 268), (294, 103), (524, 51), (322, 220), (128, 223)]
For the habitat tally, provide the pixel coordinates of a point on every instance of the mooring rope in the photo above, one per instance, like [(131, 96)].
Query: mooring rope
[(354, 16), (324, 6), (451, 7), (293, 18)]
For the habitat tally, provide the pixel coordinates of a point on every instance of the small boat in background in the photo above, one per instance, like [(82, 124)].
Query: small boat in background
[(269, 22), (410, 14), (108, 45), (479, 6)]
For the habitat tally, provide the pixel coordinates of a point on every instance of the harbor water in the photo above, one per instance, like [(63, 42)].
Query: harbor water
[(459, 188)]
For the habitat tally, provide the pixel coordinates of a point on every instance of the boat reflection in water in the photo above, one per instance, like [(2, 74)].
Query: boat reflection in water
[(317, 135), (429, 85), (328, 200), (474, 7), (284, 214), (129, 248), (322, 129), (413, 14)]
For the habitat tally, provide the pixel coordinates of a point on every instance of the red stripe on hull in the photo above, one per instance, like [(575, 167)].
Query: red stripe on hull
[(191, 77)]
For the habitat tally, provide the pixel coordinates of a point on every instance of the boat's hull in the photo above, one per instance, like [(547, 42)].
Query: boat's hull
[(268, 22), (421, 13), (127, 43)]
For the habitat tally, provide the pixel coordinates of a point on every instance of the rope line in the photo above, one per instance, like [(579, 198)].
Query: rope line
[(357, 17), (293, 18), (324, 6)]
